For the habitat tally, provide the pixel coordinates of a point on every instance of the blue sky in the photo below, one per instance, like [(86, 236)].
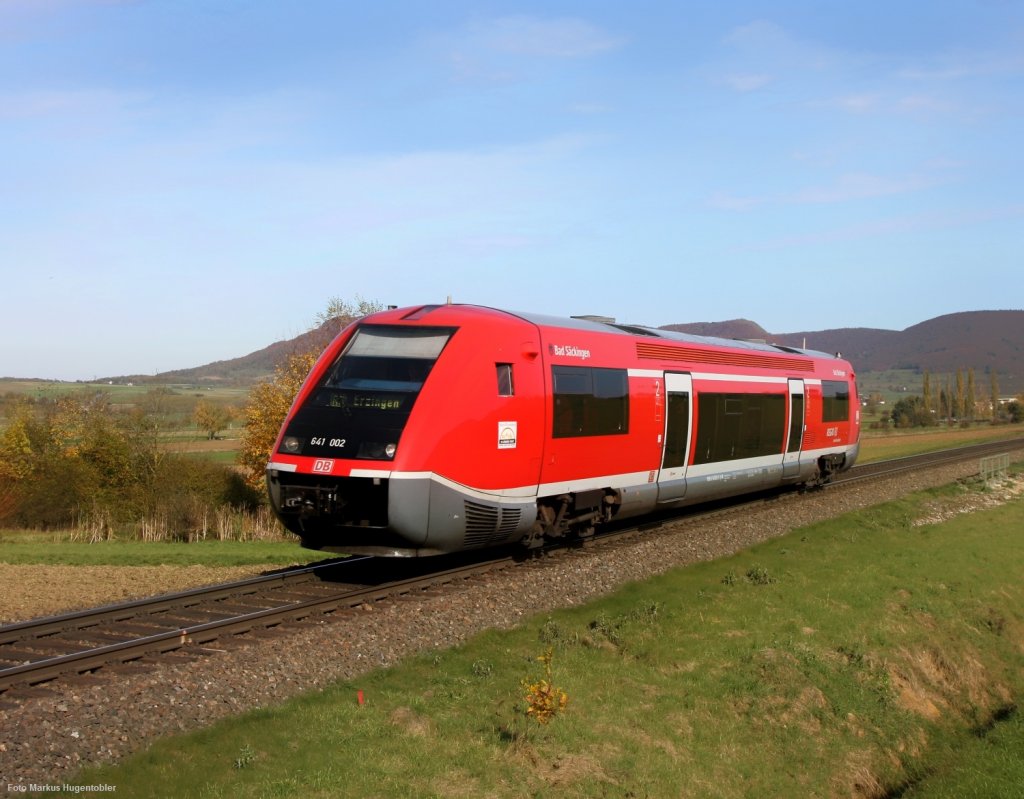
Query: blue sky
[(183, 182)]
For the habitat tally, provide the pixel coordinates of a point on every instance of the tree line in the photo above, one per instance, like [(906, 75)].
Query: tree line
[(77, 461), (956, 401)]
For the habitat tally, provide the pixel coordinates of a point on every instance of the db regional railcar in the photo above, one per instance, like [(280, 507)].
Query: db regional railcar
[(442, 428)]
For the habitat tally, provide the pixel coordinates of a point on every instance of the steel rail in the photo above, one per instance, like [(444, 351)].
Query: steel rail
[(928, 459), (90, 659)]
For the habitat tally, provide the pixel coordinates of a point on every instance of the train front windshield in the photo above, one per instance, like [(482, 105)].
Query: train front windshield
[(360, 407)]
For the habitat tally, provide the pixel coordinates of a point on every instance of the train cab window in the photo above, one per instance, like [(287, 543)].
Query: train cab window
[(590, 401), (361, 405), (835, 401), (384, 358), (506, 388)]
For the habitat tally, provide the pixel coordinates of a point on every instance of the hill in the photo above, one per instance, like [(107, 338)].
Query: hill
[(980, 340), (249, 368), (984, 341)]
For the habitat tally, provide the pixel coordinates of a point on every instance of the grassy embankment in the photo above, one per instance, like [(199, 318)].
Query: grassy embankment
[(864, 656), (56, 549)]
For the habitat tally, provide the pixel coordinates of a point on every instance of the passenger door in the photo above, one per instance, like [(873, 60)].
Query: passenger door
[(676, 439), (794, 430)]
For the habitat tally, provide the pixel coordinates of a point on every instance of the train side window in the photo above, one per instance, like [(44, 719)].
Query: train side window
[(590, 401), (677, 430), (796, 422), (835, 401), (735, 426), (506, 388)]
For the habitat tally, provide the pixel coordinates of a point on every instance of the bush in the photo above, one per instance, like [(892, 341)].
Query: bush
[(58, 489), (912, 412), (84, 465)]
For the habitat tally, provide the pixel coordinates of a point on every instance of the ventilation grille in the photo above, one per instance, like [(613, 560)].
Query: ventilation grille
[(487, 525), (668, 352), (509, 522)]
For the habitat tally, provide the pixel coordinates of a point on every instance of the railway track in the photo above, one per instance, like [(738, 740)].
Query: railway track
[(50, 648), (927, 459), (40, 650)]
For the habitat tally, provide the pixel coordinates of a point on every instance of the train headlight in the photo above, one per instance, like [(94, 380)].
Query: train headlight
[(292, 445), (373, 450)]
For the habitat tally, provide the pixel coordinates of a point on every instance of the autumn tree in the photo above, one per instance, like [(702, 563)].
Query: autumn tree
[(1015, 409), (17, 449), (80, 461), (64, 457), (210, 417), (270, 400), (346, 311)]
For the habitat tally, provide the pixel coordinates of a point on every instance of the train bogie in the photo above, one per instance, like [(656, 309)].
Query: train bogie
[(443, 428)]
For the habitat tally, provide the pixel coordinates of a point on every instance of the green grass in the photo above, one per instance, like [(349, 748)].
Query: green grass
[(47, 549), (882, 445), (988, 764), (227, 456), (858, 656)]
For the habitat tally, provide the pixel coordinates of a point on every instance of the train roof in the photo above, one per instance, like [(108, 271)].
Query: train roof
[(601, 325)]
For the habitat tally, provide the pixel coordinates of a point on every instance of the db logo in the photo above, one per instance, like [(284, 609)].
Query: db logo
[(323, 466)]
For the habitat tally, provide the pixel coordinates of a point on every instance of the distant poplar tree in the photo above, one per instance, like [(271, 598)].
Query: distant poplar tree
[(972, 396), (958, 399), (994, 395), (926, 392)]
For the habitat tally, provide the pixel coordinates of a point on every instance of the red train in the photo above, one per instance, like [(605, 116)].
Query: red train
[(441, 428)]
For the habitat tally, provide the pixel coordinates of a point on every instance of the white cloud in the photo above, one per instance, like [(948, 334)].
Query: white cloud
[(761, 53), (590, 108), (961, 65), (74, 103), (859, 103), (747, 83), (565, 37), (926, 103), (760, 34), (500, 49), (860, 186), (889, 226), (845, 188), (723, 201)]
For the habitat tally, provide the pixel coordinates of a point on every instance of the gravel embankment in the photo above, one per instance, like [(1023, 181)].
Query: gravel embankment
[(48, 737)]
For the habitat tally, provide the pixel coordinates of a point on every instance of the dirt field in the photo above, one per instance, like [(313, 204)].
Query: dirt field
[(29, 591)]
